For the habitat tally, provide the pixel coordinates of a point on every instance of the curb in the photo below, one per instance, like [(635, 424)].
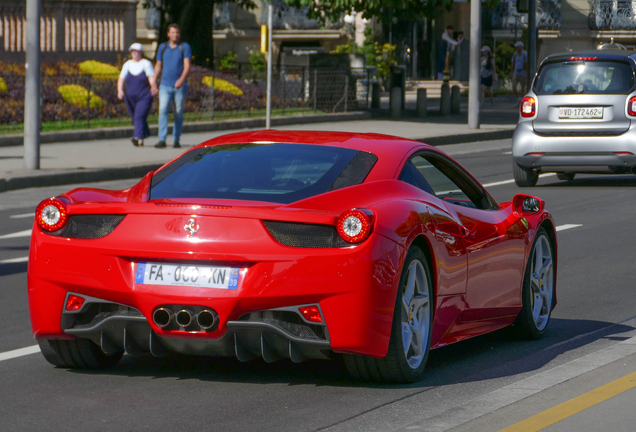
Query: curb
[(466, 138), (76, 176), (43, 179), (127, 131)]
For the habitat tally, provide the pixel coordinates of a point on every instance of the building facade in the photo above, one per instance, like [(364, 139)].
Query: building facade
[(70, 30)]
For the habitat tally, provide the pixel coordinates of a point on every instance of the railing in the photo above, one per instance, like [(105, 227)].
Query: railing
[(79, 101), (505, 15), (612, 15)]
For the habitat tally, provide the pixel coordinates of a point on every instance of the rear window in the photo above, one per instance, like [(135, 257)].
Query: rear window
[(579, 77), (281, 173)]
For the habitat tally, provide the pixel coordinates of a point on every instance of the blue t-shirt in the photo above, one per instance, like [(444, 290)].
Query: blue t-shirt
[(172, 60)]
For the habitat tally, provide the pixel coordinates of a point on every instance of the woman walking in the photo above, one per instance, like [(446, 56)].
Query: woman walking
[(488, 74), (138, 75)]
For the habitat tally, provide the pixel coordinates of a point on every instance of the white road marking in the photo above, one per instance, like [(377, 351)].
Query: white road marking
[(23, 216), (15, 260), (507, 152), (25, 233), (19, 352), (567, 227), (503, 182)]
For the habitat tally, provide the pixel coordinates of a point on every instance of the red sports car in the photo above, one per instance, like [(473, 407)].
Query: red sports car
[(291, 245)]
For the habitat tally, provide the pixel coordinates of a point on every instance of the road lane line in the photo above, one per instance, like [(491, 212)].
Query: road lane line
[(503, 182), (19, 352), (574, 406), (25, 233), (515, 392), (14, 260), (23, 216), (567, 227)]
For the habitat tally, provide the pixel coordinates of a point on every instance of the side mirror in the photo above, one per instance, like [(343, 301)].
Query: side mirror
[(526, 205)]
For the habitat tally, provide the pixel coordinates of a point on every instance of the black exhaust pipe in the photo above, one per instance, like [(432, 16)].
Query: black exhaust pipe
[(207, 319), (183, 318), (162, 317)]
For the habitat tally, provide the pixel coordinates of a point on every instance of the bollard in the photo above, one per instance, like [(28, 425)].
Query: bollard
[(396, 102), (422, 109), (455, 100), (375, 95), (444, 102)]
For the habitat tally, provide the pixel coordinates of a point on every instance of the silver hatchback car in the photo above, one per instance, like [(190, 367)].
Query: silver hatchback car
[(579, 117)]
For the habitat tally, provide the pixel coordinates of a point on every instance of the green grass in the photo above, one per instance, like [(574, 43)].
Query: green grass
[(152, 120)]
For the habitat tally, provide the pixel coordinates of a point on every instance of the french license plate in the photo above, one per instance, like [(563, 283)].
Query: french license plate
[(580, 113), (202, 276)]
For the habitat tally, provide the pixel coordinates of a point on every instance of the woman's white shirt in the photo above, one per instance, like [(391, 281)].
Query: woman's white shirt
[(135, 68)]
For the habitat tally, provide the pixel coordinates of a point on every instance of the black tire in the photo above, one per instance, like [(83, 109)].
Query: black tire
[(77, 354), (395, 367), (566, 176), (524, 177), (526, 322)]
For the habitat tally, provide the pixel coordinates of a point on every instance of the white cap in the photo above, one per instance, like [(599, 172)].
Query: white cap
[(136, 47), (519, 44), (485, 48)]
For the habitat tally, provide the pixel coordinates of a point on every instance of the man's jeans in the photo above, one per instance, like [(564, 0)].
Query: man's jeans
[(166, 95)]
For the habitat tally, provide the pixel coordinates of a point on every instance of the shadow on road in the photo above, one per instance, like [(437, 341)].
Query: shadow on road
[(495, 355), (595, 181), (12, 268)]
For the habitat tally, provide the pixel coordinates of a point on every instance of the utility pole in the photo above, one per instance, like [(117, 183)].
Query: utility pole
[(475, 55), (32, 108), (532, 40), (270, 13)]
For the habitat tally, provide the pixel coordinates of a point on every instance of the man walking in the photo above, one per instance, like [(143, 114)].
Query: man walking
[(174, 60), (461, 58), (445, 45), (518, 68)]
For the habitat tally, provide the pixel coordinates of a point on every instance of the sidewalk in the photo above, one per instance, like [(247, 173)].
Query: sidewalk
[(114, 159)]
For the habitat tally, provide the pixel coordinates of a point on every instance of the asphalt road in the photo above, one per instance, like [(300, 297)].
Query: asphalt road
[(596, 305)]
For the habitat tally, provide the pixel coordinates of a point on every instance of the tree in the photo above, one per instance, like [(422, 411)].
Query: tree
[(194, 17), (401, 9)]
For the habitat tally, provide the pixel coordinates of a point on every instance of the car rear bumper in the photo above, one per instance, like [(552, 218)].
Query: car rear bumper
[(355, 288), (574, 153)]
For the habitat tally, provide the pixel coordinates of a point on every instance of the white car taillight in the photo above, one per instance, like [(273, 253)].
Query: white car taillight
[(631, 106), (528, 107)]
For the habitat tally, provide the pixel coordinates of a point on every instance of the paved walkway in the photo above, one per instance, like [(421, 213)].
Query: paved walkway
[(60, 162)]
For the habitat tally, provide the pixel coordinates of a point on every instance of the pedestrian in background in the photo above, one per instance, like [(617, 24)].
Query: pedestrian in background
[(488, 74), (446, 43), (173, 66), (138, 78), (461, 58), (518, 73)]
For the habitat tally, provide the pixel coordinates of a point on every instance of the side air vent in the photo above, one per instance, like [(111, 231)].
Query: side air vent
[(89, 226), (305, 235)]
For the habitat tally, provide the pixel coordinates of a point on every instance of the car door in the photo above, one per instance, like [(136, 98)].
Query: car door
[(495, 248)]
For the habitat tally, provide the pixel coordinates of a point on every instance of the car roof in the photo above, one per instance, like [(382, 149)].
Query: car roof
[(390, 150), (379, 144), (605, 54)]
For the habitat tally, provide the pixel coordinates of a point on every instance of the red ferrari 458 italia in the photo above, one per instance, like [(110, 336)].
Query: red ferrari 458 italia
[(296, 245)]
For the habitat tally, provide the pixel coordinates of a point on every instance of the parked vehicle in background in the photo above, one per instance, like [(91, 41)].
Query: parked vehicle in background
[(578, 117)]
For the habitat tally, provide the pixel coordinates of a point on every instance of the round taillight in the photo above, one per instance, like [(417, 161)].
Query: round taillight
[(51, 214), (354, 225), (528, 107), (631, 106)]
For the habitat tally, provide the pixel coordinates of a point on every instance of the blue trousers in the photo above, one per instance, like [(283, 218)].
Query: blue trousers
[(166, 95)]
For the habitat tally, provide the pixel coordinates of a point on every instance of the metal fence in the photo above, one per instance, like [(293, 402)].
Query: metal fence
[(79, 101)]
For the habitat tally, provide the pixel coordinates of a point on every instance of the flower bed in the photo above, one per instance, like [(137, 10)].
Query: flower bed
[(88, 90)]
